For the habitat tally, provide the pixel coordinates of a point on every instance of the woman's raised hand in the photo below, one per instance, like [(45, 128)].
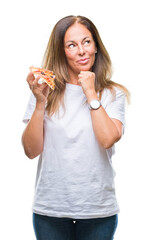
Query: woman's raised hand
[(40, 91), (87, 81)]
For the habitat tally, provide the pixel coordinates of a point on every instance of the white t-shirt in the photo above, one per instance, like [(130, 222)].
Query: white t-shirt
[(75, 177)]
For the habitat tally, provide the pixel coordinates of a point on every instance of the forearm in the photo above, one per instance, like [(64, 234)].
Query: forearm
[(32, 138), (105, 130)]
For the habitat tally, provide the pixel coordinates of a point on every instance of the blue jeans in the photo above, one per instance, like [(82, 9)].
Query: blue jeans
[(52, 228)]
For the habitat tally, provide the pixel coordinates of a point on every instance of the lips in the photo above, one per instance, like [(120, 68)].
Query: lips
[(83, 60)]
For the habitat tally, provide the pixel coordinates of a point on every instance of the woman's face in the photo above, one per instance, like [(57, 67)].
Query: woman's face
[(79, 49)]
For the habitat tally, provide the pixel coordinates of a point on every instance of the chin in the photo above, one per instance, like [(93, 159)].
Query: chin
[(85, 68)]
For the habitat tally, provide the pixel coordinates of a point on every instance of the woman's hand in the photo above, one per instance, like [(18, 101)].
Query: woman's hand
[(87, 81), (40, 91)]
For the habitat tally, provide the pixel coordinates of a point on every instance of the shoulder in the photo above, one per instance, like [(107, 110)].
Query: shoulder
[(112, 95), (115, 91)]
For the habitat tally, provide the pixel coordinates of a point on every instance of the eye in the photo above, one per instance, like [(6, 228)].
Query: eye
[(71, 46), (87, 42)]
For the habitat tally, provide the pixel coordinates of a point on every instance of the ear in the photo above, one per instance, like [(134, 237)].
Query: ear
[(96, 50)]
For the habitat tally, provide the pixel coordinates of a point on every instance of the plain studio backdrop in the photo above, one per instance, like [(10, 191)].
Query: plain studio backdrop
[(124, 26)]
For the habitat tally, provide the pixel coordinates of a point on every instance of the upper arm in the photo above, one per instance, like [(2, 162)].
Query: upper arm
[(115, 109), (30, 108)]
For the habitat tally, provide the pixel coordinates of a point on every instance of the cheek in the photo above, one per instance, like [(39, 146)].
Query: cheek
[(92, 56), (92, 51), (69, 56)]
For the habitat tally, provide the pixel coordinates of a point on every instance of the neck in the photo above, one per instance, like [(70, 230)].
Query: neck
[(74, 82), (73, 78)]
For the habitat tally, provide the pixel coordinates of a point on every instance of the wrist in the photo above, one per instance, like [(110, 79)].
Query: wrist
[(91, 95), (40, 106)]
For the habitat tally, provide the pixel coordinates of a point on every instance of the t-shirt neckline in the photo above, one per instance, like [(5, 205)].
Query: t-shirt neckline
[(73, 87)]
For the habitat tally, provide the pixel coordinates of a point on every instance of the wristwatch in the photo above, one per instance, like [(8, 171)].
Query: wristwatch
[(95, 104)]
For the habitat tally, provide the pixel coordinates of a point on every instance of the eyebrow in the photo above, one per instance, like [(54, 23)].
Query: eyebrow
[(74, 41)]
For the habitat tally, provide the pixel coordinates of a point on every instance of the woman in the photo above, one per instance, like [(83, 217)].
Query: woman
[(74, 129)]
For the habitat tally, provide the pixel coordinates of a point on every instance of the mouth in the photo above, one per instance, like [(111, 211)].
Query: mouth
[(83, 60)]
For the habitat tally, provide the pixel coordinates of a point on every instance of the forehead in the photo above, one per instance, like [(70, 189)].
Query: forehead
[(77, 32)]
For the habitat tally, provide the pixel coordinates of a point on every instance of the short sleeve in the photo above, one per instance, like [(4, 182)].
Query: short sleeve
[(115, 106), (30, 108)]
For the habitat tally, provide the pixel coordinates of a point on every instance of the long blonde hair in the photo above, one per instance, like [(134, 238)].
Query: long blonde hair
[(54, 59)]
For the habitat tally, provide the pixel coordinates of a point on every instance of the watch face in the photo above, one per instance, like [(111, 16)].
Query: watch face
[(95, 104)]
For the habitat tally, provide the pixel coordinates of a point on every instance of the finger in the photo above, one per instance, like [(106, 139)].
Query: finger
[(32, 81), (42, 86), (37, 78), (80, 81), (83, 75), (84, 72), (35, 82), (39, 82), (80, 75), (46, 90), (30, 78)]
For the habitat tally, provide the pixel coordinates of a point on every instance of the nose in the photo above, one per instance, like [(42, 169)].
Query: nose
[(81, 50)]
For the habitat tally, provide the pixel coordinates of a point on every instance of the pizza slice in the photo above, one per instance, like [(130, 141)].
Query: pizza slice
[(45, 76)]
